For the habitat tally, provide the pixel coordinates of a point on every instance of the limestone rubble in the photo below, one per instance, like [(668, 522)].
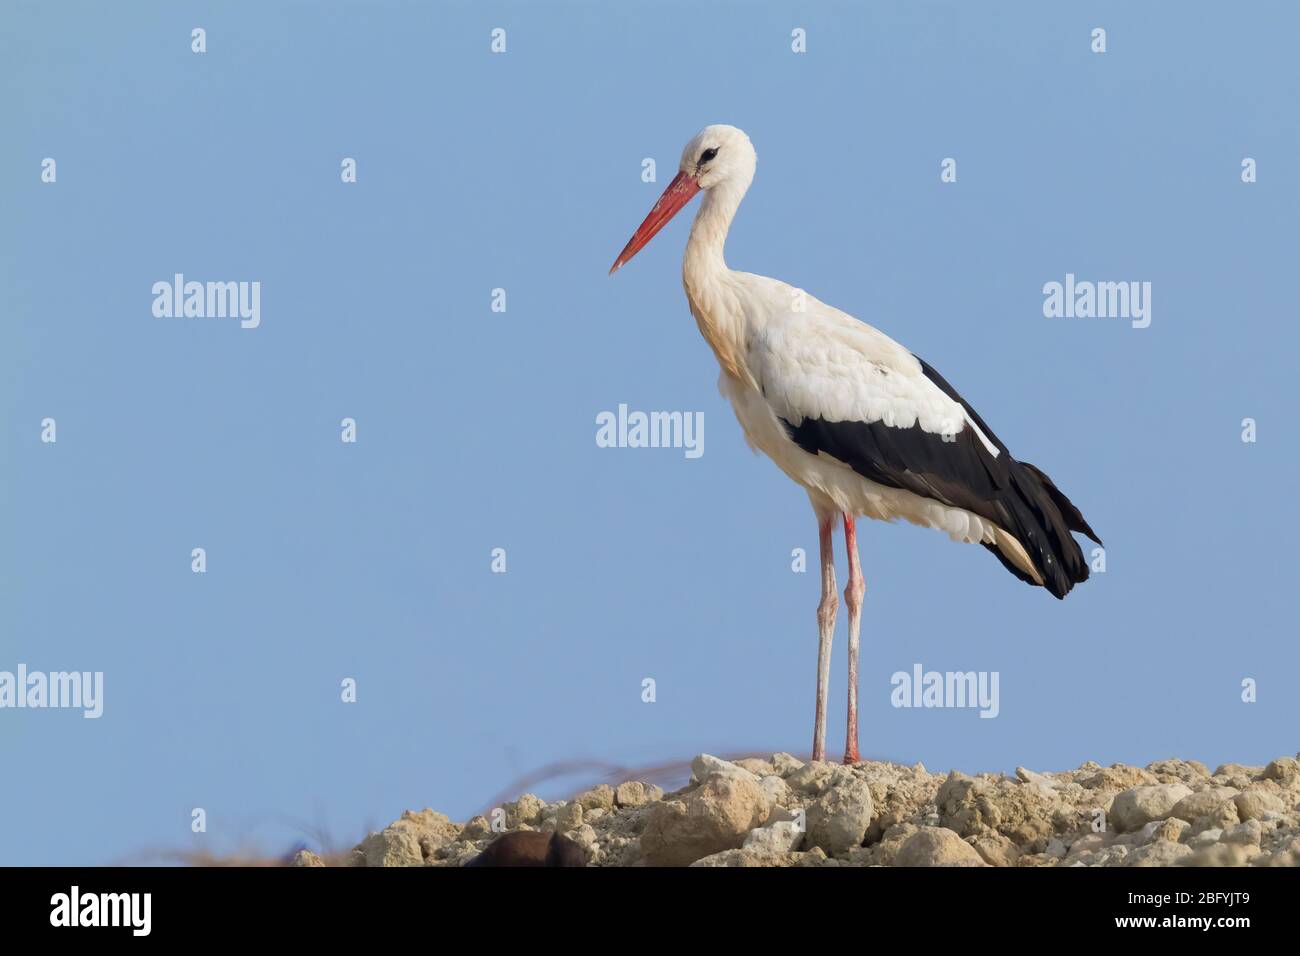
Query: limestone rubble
[(781, 811)]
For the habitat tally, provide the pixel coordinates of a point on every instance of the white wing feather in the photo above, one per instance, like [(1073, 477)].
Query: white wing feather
[(821, 363)]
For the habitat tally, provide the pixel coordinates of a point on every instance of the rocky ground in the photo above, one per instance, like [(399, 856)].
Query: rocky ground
[(783, 812)]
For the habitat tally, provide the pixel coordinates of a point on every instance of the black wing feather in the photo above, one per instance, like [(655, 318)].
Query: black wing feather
[(959, 471)]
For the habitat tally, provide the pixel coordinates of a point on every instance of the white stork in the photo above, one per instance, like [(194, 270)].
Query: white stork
[(865, 426)]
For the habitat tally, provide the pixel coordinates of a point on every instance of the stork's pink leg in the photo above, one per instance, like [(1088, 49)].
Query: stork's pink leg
[(825, 632), (853, 592)]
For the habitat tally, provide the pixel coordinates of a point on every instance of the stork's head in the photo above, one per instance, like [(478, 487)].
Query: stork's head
[(718, 158), (719, 155)]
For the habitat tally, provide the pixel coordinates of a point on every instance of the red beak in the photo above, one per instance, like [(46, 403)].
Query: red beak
[(677, 195)]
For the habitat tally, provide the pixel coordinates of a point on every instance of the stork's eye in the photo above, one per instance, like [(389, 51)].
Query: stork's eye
[(707, 155)]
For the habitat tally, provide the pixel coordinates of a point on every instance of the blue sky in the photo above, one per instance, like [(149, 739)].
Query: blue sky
[(476, 429)]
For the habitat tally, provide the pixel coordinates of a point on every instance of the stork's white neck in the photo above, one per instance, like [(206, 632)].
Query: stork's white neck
[(704, 249), (712, 296)]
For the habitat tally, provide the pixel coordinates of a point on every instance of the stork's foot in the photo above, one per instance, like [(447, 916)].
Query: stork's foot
[(852, 757)]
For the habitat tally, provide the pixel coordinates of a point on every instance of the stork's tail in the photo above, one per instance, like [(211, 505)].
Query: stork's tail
[(1042, 522)]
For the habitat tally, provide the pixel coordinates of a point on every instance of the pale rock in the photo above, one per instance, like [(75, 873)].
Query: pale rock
[(816, 777), (406, 842), (1117, 777), (1254, 804), (898, 794), (634, 793), (1196, 805), (1283, 768), (306, 858), (568, 817), (861, 856), (937, 846), (886, 851), (1045, 784), (585, 837), (456, 854), (1179, 771), (526, 811), (1288, 855), (781, 814), (1220, 854), (743, 857), (1235, 770), (1171, 829), (785, 764), (778, 792), (780, 837), (995, 849), (1158, 853), (814, 857), (1236, 775), (1144, 835), (1112, 855), (1085, 848), (599, 797), (838, 819), (1133, 808), (715, 816), (1221, 817), (705, 764), (1246, 834), (969, 806)]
